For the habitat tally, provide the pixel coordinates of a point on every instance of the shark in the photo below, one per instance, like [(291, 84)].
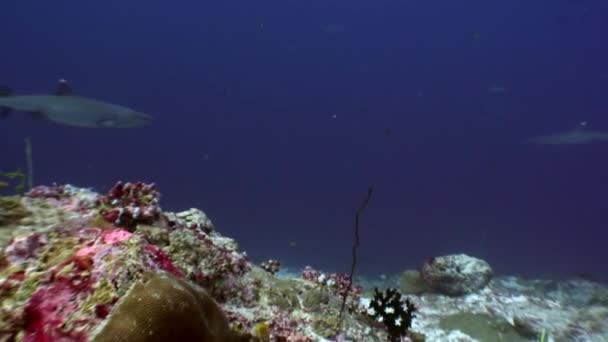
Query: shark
[(579, 135), (65, 108)]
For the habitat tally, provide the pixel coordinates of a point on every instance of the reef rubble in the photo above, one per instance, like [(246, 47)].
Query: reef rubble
[(76, 265)]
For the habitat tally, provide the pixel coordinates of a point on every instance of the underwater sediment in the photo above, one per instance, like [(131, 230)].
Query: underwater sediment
[(81, 266)]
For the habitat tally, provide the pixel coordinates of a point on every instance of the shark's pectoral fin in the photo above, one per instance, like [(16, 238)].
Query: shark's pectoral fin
[(37, 115), (63, 88), (106, 123)]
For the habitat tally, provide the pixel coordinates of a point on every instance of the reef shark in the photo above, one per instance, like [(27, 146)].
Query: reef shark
[(65, 108), (579, 135)]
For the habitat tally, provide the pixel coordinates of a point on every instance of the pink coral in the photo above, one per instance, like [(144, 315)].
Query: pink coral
[(285, 329), (43, 191), (109, 236), (24, 247), (115, 236), (310, 274), (86, 251), (127, 204), (338, 282), (162, 260), (46, 311)]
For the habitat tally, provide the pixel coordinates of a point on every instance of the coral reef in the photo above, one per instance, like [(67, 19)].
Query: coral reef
[(76, 265)]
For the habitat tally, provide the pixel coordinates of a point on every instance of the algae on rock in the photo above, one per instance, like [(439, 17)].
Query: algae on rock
[(410, 282), (284, 294), (11, 210), (481, 327)]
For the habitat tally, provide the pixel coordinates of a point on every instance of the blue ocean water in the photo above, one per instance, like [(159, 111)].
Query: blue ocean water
[(275, 117)]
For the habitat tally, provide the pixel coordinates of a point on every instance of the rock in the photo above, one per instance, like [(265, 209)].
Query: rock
[(599, 297), (527, 326), (456, 274)]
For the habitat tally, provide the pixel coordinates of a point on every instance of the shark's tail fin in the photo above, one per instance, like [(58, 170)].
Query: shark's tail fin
[(5, 111)]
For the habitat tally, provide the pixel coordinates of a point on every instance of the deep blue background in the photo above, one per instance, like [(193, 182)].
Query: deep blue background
[(244, 93)]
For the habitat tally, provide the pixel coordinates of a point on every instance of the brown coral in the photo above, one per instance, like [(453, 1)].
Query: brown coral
[(162, 307)]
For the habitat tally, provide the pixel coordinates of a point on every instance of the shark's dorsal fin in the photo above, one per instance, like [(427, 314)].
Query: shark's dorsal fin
[(63, 88)]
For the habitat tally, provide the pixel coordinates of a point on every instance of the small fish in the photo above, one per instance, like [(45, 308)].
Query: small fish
[(3, 184), (334, 28), (496, 89), (68, 109)]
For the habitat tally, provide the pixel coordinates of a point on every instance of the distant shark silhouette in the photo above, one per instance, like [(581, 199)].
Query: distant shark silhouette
[(67, 109), (579, 135)]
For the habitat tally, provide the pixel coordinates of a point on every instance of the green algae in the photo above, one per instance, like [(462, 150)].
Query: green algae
[(100, 222), (284, 294), (103, 293), (410, 282), (185, 249), (11, 210), (17, 178), (10, 269), (416, 336), (57, 252), (29, 285), (315, 299), (482, 327), (155, 235), (327, 324)]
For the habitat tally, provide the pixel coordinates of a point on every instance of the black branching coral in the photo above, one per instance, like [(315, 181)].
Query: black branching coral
[(389, 309)]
